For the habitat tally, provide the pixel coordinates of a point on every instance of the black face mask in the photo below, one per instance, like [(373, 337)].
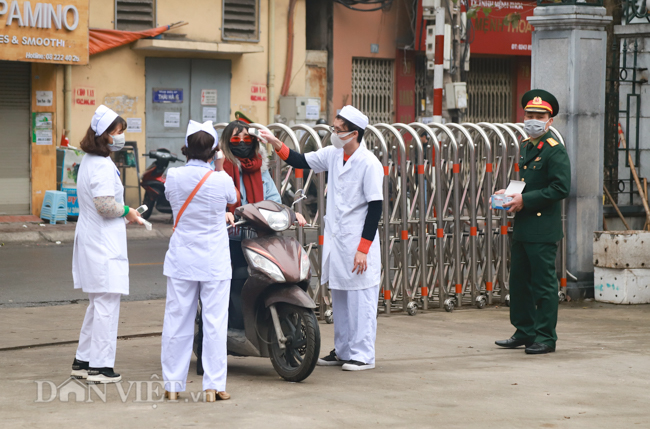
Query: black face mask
[(243, 150)]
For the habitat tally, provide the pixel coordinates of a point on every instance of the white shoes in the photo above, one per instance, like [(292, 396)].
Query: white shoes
[(355, 365)]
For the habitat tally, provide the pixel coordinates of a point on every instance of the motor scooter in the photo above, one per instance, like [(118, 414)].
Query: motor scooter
[(153, 181), (274, 309)]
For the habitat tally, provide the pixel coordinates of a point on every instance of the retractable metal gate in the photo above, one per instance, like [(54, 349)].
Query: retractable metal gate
[(441, 243)]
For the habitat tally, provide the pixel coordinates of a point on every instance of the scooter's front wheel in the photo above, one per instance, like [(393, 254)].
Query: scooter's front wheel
[(300, 327)]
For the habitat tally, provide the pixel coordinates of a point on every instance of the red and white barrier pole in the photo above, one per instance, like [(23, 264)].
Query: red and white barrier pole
[(438, 70)]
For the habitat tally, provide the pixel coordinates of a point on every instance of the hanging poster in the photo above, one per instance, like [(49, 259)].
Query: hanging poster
[(42, 128), (133, 125), (208, 97), (44, 98), (172, 119), (210, 114)]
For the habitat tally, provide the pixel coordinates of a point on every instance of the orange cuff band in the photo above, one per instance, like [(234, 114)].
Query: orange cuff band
[(364, 246), (283, 153)]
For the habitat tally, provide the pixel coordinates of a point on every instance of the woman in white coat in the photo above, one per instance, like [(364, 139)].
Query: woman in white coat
[(100, 265), (197, 264)]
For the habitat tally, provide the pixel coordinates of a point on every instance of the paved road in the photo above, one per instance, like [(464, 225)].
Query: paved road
[(434, 370), (42, 274)]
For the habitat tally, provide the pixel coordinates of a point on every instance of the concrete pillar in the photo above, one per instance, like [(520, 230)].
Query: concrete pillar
[(568, 60)]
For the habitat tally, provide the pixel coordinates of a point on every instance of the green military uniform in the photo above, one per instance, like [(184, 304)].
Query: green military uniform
[(544, 166)]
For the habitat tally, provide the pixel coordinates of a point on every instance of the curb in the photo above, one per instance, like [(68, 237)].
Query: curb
[(67, 236), (62, 343)]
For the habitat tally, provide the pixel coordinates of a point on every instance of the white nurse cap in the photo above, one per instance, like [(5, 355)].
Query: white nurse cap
[(194, 127), (355, 116), (102, 119)]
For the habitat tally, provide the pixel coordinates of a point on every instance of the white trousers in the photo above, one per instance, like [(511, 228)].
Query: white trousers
[(178, 332), (355, 323), (98, 336)]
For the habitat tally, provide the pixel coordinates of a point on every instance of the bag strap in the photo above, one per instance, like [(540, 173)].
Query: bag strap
[(189, 199)]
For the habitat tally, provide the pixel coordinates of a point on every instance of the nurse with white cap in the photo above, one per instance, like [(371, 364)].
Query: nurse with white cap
[(197, 264), (351, 256), (100, 266)]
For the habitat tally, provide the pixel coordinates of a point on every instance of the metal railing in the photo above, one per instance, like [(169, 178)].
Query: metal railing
[(441, 243)]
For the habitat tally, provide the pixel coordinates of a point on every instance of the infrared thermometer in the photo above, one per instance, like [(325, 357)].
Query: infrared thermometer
[(256, 133)]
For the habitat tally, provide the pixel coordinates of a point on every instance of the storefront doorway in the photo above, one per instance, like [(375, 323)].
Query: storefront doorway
[(15, 139)]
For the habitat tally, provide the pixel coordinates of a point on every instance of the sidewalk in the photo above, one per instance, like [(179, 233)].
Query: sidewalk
[(31, 229), (435, 369)]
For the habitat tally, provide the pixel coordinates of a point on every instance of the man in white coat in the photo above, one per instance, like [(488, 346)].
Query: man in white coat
[(351, 256)]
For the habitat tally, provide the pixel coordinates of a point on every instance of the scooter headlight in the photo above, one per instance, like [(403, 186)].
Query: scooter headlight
[(304, 264), (269, 268), (278, 221)]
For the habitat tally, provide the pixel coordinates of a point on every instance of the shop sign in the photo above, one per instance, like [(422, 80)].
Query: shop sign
[(50, 31), (500, 27)]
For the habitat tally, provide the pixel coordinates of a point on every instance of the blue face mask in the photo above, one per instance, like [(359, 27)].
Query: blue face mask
[(118, 142)]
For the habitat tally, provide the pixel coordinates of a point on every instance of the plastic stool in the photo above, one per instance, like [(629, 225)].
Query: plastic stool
[(55, 207)]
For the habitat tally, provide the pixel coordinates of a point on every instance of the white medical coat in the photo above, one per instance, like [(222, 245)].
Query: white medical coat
[(199, 248), (99, 260), (350, 188)]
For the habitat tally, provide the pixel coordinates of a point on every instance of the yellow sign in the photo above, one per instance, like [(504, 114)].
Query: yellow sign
[(47, 31)]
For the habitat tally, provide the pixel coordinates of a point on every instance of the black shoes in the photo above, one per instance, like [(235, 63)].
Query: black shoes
[(539, 349), (330, 360), (103, 375), (79, 369), (513, 343)]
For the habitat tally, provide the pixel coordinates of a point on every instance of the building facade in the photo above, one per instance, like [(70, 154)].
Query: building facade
[(231, 56)]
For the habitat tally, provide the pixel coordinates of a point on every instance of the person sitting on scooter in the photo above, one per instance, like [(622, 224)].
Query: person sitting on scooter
[(195, 264), (247, 162)]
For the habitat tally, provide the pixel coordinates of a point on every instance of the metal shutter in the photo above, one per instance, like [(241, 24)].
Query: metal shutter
[(240, 20), (489, 90), (373, 87), (14, 138), (135, 15)]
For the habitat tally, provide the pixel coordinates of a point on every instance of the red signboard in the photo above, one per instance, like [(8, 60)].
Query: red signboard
[(500, 27)]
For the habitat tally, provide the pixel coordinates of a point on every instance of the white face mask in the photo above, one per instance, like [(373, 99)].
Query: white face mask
[(118, 142), (534, 127), (338, 142)]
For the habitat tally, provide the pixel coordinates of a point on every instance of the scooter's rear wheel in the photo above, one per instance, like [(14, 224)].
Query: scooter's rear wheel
[(297, 360)]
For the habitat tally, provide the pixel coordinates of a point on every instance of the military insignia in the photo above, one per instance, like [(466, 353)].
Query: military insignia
[(552, 141), (537, 100), (539, 146), (539, 158)]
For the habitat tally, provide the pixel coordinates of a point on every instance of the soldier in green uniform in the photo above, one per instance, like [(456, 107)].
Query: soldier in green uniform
[(544, 166)]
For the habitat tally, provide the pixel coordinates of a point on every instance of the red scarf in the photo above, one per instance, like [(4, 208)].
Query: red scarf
[(252, 178)]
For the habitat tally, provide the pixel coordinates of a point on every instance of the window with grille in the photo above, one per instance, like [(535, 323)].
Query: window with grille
[(135, 15), (240, 20), (489, 90), (373, 83)]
